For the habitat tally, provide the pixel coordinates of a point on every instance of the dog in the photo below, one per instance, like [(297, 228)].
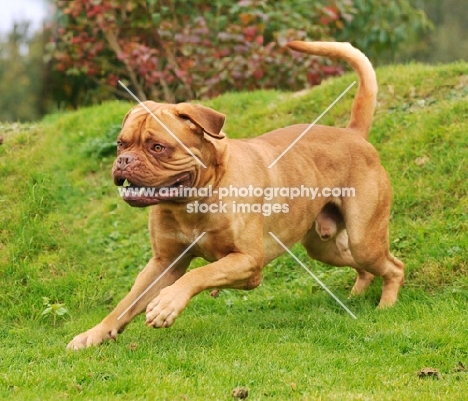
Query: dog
[(172, 148)]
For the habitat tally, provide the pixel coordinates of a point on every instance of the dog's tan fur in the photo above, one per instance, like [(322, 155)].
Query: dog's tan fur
[(340, 231)]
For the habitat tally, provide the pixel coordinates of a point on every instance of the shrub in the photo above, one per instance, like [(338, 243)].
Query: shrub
[(177, 50)]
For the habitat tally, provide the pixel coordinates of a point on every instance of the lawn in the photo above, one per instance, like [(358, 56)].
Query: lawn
[(66, 235)]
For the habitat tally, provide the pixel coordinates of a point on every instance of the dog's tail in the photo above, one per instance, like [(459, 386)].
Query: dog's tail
[(365, 99)]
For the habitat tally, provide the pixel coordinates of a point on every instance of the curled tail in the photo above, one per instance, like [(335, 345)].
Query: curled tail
[(365, 99)]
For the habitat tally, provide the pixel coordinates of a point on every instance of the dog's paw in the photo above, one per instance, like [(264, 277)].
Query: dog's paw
[(164, 309), (92, 337)]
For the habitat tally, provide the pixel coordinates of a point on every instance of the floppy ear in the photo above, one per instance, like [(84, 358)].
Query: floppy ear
[(207, 119)]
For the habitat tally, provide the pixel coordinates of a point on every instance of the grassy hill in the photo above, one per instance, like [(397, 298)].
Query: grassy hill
[(66, 235)]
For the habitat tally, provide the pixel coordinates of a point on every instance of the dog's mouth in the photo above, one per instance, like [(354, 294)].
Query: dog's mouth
[(141, 196)]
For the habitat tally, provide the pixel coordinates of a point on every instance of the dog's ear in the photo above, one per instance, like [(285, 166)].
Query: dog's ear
[(207, 119)]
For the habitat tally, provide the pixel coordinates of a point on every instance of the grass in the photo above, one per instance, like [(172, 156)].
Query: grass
[(65, 235)]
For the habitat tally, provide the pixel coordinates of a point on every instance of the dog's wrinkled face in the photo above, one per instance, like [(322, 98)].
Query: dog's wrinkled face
[(151, 163)]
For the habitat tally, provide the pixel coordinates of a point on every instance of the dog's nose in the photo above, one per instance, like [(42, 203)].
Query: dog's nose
[(124, 160)]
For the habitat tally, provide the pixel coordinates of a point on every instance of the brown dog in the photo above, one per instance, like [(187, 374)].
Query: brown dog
[(335, 229)]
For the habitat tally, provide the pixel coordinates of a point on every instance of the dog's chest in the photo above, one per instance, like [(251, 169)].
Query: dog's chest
[(207, 245)]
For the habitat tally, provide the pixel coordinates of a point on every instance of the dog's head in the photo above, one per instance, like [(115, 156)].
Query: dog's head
[(161, 148)]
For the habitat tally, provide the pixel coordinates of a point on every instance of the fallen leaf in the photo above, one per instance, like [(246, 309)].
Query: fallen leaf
[(293, 386), (240, 392), (429, 372), (422, 160)]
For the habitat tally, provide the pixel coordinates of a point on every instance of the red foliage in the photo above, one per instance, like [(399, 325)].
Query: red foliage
[(175, 50)]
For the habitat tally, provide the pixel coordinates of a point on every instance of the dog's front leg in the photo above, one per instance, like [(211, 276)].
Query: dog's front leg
[(127, 309), (236, 270)]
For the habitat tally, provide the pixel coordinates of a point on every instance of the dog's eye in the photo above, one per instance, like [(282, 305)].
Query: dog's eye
[(158, 148)]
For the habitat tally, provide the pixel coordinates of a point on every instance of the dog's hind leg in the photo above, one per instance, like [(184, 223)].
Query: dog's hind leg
[(367, 226), (378, 262), (335, 252)]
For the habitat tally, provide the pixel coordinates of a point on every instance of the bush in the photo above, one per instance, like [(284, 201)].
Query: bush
[(179, 50)]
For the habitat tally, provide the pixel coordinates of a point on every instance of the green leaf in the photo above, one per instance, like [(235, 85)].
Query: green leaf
[(62, 311), (47, 311), (55, 307)]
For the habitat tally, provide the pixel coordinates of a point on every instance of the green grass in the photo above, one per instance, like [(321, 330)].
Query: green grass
[(64, 234)]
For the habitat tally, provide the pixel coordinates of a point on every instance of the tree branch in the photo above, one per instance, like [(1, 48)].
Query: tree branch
[(114, 44), (172, 60)]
